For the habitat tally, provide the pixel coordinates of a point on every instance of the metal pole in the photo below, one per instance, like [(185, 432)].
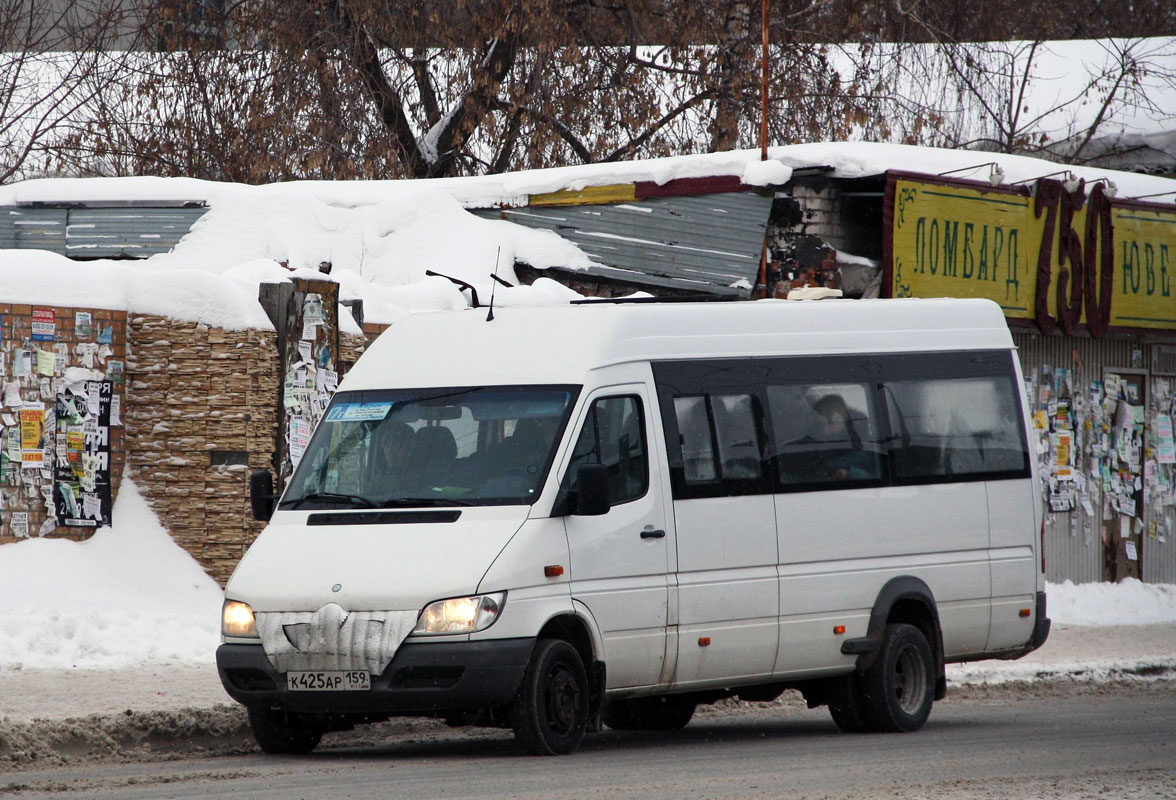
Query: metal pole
[(764, 88)]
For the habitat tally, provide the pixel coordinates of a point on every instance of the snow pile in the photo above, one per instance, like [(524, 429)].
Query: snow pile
[(127, 595), (1128, 603)]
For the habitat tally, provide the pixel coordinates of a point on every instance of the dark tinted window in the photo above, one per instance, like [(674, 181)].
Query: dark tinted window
[(614, 435), (954, 428), (832, 422), (825, 434)]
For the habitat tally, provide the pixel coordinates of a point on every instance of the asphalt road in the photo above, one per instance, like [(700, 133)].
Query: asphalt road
[(1098, 741)]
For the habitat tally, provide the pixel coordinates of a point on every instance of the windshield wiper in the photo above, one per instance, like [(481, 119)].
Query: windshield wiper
[(430, 502), (330, 497)]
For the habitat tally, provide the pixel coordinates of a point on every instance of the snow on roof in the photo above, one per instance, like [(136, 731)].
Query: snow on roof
[(41, 277), (381, 236)]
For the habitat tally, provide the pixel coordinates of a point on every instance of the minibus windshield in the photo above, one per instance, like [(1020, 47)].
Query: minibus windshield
[(432, 447)]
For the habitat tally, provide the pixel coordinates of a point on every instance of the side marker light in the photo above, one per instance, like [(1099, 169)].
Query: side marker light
[(553, 570), (838, 630)]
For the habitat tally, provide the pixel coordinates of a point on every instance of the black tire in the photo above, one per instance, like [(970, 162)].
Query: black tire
[(845, 703), (897, 691), (278, 733), (659, 713), (550, 712)]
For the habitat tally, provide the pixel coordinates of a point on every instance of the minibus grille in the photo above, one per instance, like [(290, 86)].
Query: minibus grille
[(333, 638)]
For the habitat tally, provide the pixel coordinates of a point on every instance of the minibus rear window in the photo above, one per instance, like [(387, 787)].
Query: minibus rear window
[(432, 447)]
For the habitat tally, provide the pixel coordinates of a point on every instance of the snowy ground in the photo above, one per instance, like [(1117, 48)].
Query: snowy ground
[(129, 620)]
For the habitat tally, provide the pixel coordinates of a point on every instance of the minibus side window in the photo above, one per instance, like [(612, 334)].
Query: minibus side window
[(738, 439), (614, 435), (698, 445), (952, 428), (825, 436)]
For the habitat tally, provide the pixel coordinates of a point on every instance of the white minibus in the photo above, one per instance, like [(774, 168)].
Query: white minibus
[(607, 513)]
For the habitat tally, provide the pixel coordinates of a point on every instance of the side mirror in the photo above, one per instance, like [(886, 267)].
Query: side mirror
[(261, 494), (592, 495)]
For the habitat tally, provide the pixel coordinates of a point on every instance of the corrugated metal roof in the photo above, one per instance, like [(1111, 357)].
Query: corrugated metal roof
[(134, 232), (703, 243)]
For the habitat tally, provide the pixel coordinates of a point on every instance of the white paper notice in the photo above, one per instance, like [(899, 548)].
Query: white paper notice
[(86, 354), (91, 506), (299, 437)]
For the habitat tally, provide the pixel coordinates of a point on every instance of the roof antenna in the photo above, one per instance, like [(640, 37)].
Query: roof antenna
[(493, 286)]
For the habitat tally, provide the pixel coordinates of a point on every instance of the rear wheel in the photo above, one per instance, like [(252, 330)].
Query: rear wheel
[(897, 691), (660, 713), (279, 733), (550, 711)]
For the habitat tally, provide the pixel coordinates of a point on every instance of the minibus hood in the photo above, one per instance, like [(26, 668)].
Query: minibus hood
[(297, 565)]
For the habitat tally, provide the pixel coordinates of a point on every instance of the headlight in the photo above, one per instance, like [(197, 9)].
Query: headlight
[(237, 620), (461, 614)]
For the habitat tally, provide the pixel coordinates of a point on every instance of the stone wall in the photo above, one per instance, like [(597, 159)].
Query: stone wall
[(201, 414)]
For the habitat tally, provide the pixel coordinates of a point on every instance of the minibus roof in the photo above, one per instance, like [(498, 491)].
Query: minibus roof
[(563, 344)]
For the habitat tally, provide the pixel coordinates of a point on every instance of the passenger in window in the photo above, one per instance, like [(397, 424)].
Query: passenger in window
[(844, 459), (395, 443)]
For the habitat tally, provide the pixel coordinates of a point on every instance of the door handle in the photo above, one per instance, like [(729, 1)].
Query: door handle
[(650, 533)]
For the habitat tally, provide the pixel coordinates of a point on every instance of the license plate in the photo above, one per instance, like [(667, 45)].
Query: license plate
[(329, 681)]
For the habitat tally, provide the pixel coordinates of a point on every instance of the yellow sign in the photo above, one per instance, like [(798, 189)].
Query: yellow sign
[(1145, 268), (1056, 257)]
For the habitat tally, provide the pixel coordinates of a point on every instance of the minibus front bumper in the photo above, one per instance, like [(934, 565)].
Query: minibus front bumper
[(422, 679)]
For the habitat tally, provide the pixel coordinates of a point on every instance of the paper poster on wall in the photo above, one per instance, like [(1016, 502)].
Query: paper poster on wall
[(83, 325), (82, 482), (1165, 445), (299, 438), (1061, 445), (18, 523), (44, 324), (1132, 553), (22, 363), (32, 431), (45, 362)]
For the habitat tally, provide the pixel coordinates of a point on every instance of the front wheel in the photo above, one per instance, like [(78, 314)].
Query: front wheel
[(278, 733), (550, 711), (846, 705), (898, 689)]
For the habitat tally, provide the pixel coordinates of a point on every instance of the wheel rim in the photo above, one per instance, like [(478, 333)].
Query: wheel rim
[(910, 680), (562, 700)]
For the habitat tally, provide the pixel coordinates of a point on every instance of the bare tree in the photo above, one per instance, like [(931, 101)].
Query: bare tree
[(269, 90), (55, 58)]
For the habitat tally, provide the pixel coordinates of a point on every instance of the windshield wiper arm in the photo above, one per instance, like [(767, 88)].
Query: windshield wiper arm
[(331, 497), (409, 502)]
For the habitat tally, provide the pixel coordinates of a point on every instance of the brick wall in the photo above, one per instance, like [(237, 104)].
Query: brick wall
[(21, 488), (200, 416), (821, 215)]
